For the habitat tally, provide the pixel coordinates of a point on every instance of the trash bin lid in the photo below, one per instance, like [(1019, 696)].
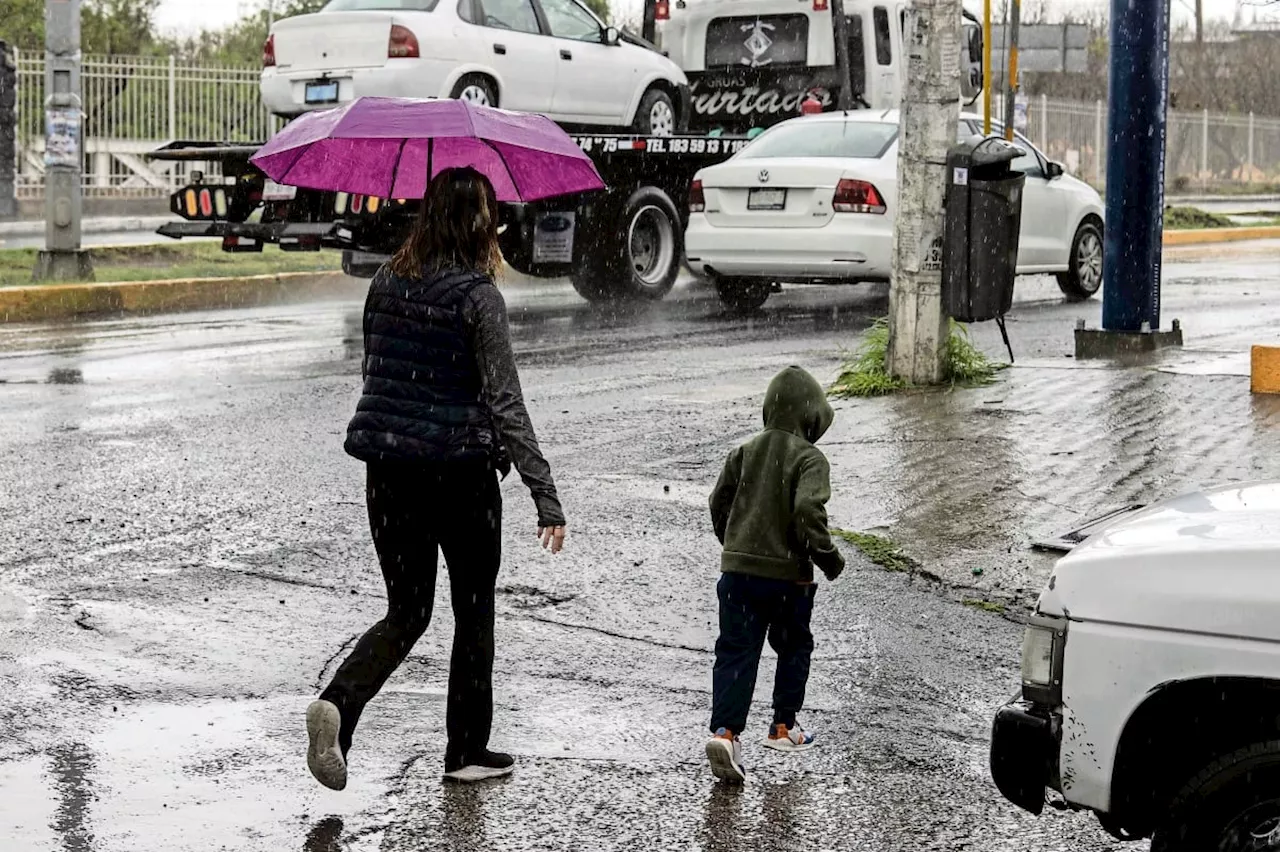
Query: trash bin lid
[(991, 150)]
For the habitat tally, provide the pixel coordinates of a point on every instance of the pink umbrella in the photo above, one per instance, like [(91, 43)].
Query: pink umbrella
[(384, 147)]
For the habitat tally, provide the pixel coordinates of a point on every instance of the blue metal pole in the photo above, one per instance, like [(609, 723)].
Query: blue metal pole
[(1139, 96)]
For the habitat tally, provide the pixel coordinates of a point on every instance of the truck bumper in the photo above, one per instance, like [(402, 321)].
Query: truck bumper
[(1024, 753)]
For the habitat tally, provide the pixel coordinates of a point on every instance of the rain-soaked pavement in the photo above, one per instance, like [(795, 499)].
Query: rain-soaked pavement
[(184, 556)]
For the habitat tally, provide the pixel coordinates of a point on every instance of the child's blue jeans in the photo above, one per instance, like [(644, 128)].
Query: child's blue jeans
[(751, 609)]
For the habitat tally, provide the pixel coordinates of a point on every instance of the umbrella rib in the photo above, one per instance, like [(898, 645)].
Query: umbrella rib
[(395, 168), (505, 165)]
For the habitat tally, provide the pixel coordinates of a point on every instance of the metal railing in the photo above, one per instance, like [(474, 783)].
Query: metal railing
[(1204, 151), (134, 104)]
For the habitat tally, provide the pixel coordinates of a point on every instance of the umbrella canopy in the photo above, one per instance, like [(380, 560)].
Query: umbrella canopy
[(384, 147)]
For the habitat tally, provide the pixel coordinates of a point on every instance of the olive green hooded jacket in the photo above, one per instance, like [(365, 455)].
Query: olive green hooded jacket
[(769, 506)]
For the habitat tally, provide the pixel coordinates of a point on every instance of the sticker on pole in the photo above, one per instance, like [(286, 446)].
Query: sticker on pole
[(933, 257), (960, 177)]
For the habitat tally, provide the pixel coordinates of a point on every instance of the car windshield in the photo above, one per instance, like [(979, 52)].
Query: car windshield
[(379, 5), (806, 138)]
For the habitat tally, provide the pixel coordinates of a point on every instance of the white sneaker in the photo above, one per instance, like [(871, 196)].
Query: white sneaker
[(724, 751), (324, 755), (782, 738)]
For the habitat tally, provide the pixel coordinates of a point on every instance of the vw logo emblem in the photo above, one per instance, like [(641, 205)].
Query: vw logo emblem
[(764, 175)]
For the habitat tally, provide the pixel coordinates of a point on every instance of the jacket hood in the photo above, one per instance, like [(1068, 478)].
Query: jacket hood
[(796, 403)]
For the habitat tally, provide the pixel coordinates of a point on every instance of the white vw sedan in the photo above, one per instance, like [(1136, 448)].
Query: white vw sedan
[(552, 57), (812, 200)]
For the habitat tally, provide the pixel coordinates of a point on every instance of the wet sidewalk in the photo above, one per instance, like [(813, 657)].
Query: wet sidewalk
[(966, 480)]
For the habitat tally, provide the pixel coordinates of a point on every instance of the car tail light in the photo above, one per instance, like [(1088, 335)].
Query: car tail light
[(856, 196), (662, 10), (819, 5), (697, 201), (402, 44), (269, 51)]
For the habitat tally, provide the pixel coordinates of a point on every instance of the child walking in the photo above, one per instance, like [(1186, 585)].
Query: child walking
[(769, 512)]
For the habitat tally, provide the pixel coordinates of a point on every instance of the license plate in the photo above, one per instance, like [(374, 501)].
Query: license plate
[(324, 92), (767, 199)]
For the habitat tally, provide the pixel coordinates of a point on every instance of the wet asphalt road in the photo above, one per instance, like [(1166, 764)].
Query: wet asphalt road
[(184, 554)]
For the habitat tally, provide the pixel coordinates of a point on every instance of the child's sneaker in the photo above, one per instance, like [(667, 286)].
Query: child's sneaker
[(324, 755), (724, 750), (783, 738)]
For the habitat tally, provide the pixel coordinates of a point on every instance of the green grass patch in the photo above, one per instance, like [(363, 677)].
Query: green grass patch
[(1193, 218), (864, 374), (199, 259), (985, 606), (884, 552)]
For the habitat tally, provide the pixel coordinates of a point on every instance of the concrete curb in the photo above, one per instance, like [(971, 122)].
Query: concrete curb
[(1199, 236), (99, 225), (44, 302)]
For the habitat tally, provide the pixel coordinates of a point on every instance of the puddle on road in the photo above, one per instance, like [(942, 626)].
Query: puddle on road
[(169, 776)]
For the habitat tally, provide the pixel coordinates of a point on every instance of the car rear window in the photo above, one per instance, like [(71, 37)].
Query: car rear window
[(380, 5), (757, 41), (808, 138)]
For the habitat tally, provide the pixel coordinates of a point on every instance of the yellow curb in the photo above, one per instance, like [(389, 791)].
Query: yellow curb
[(1264, 369), (1197, 236), (37, 302)]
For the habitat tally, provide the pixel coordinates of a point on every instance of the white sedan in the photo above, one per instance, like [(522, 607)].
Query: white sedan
[(553, 57), (812, 200)]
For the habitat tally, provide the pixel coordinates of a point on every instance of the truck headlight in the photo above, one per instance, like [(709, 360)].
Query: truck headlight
[(1043, 644)]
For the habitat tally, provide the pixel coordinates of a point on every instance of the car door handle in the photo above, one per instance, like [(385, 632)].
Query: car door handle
[(564, 54), (500, 49)]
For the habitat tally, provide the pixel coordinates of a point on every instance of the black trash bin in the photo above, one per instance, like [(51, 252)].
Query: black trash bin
[(983, 215)]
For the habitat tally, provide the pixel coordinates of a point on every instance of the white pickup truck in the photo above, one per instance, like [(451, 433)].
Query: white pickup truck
[(1151, 677)]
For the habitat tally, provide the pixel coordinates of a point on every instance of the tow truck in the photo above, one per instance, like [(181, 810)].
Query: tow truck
[(625, 242)]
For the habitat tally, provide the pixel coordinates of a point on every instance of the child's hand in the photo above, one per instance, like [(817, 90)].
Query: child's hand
[(836, 572), (552, 538)]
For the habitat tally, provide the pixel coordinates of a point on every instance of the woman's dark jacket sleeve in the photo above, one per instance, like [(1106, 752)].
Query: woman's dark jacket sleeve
[(485, 316)]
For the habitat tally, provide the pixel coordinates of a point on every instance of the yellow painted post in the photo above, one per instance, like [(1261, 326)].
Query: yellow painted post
[(1264, 369), (987, 71)]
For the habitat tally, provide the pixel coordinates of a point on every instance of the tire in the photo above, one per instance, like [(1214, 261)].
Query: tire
[(640, 257), (1232, 805), (1084, 279), (742, 296), (477, 89), (656, 115)]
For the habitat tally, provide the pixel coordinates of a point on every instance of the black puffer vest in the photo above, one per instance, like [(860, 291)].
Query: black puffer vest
[(422, 388)]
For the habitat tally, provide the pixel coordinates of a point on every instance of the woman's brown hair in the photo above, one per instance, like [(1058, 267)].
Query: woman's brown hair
[(456, 227)]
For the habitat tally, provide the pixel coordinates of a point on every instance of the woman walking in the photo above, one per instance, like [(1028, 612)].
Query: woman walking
[(442, 413)]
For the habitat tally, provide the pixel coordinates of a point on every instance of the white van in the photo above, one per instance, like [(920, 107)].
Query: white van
[(751, 63)]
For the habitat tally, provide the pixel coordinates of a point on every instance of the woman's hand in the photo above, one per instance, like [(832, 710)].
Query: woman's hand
[(552, 538)]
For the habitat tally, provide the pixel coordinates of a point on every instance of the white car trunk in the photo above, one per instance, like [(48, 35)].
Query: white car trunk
[(332, 41), (734, 188)]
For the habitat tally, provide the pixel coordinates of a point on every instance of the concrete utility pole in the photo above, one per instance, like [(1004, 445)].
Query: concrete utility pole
[(930, 115), (63, 258)]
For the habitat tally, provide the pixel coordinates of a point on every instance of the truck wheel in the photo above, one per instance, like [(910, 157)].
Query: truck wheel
[(591, 284), (656, 115), (477, 89), (360, 265), (1084, 278), (1233, 805), (652, 244), (742, 296)]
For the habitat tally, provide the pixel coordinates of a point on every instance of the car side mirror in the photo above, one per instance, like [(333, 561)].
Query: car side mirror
[(1054, 170), (612, 37)]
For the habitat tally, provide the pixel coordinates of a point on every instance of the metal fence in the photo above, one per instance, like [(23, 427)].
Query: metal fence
[(1205, 151), (132, 105)]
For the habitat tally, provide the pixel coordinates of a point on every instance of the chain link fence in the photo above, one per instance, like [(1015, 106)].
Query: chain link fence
[(134, 104), (1205, 152)]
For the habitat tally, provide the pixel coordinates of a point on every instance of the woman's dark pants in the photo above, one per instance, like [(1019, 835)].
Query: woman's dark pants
[(751, 609), (416, 513)]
